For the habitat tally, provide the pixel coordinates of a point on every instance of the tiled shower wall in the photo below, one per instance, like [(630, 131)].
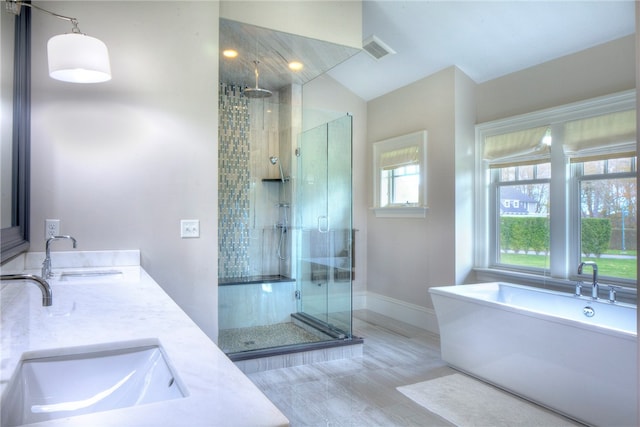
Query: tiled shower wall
[(234, 151), (248, 206)]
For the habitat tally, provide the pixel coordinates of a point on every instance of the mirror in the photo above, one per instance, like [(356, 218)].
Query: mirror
[(15, 80)]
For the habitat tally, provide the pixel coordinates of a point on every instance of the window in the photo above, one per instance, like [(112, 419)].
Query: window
[(558, 187), (400, 186), (607, 191), (399, 166), (523, 220)]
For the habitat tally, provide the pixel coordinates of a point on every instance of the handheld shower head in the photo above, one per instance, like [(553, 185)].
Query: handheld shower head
[(274, 161)]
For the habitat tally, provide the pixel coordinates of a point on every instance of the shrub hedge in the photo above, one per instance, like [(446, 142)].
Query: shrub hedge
[(595, 235), (524, 234)]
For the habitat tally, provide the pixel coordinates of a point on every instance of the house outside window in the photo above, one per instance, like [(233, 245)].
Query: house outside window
[(558, 187)]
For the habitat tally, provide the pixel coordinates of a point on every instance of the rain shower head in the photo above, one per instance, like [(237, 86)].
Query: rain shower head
[(256, 92)]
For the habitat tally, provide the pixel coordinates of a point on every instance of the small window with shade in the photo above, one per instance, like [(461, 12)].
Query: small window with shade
[(400, 176)]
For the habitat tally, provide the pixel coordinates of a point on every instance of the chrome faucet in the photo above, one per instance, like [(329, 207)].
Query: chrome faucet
[(46, 265), (594, 285), (47, 297)]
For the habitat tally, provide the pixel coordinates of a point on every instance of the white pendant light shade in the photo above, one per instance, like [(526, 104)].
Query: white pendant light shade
[(78, 58)]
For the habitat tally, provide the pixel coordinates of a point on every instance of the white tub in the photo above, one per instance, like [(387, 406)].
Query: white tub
[(540, 345)]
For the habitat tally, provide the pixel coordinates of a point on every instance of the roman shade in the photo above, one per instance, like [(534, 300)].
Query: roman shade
[(517, 148), (601, 137), (399, 157)]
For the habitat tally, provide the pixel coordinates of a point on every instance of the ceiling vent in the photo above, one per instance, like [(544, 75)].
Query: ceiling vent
[(376, 47)]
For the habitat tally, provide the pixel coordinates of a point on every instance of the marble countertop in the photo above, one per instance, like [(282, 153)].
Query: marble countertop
[(128, 307)]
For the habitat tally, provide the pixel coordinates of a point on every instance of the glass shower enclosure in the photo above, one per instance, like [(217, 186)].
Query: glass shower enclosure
[(308, 304), (325, 242)]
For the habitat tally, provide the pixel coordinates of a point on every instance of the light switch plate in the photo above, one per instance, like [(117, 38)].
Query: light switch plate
[(189, 228)]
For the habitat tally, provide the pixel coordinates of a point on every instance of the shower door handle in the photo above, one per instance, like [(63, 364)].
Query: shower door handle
[(323, 220)]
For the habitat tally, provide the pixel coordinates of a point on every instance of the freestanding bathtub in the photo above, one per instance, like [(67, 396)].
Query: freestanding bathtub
[(575, 355)]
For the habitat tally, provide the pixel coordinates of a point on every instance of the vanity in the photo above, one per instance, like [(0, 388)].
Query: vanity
[(105, 306)]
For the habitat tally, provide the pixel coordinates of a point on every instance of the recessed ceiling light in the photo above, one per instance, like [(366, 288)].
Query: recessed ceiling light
[(295, 66), (230, 53)]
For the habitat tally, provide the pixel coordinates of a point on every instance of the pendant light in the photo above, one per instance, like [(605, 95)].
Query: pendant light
[(74, 57), (78, 58)]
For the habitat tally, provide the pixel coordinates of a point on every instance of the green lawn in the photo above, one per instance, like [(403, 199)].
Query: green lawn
[(614, 267)]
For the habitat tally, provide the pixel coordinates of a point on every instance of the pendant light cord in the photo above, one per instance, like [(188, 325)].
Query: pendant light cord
[(14, 7)]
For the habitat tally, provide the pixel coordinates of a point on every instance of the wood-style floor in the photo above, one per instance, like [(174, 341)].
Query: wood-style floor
[(361, 391)]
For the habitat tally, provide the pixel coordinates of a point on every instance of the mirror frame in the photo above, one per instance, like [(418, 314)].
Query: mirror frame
[(15, 239)]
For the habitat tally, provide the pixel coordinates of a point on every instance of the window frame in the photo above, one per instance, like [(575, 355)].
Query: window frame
[(564, 194), (578, 178), (411, 210)]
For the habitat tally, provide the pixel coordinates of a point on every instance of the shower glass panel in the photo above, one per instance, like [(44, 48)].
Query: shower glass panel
[(274, 209), (325, 227)]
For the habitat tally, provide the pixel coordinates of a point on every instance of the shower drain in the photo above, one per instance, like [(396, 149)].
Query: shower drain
[(249, 342)]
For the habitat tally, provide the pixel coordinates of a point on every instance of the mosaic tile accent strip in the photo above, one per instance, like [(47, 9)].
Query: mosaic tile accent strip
[(234, 182)]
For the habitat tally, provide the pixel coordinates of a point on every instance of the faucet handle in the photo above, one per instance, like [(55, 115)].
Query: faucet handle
[(579, 284), (612, 293)]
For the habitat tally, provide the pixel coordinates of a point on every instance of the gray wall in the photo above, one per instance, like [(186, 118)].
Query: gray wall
[(120, 163), (405, 256), (601, 70)]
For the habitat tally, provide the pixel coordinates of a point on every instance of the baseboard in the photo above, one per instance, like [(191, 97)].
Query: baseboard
[(412, 314)]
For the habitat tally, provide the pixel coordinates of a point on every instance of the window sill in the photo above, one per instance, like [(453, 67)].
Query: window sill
[(626, 293), (401, 212)]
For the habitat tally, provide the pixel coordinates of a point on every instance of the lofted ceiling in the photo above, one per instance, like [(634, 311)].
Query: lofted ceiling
[(485, 39)]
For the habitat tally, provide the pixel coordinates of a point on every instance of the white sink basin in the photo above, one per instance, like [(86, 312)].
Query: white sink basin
[(96, 379)]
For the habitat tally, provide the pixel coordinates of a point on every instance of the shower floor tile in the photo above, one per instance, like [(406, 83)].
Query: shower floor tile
[(237, 340)]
